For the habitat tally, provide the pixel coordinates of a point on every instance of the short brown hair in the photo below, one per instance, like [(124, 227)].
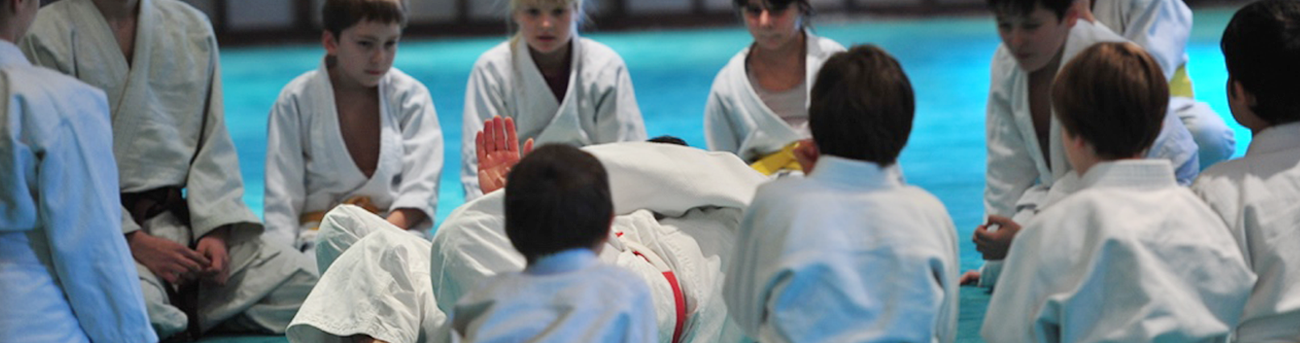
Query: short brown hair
[(1114, 96), (557, 198), (339, 15), (862, 106)]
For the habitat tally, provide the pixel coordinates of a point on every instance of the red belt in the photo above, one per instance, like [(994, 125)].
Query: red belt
[(678, 297)]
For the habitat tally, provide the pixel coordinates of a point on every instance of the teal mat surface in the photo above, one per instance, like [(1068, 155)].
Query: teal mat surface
[(946, 58)]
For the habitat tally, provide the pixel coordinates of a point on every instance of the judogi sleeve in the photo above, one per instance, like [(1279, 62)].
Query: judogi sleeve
[(286, 169), (1011, 168), (88, 252), (718, 131), (1162, 27), (618, 118), (484, 99), (214, 187), (422, 152)]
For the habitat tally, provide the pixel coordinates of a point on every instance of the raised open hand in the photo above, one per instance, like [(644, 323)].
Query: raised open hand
[(497, 147)]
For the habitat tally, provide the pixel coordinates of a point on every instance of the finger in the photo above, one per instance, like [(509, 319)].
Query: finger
[(195, 255), (170, 277), (185, 264), (499, 126), (219, 264), (512, 137), (528, 148), (1000, 220), (489, 136), (479, 149)]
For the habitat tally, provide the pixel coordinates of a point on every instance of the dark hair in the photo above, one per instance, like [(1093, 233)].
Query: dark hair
[(666, 139), (1261, 47), (338, 15), (862, 106), (1024, 7), (802, 5), (1114, 96), (557, 198)]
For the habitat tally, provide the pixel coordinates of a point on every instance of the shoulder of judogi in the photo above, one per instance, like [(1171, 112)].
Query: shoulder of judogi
[(54, 29), (43, 86), (599, 59), (402, 86), (184, 22), (724, 82), (182, 15), (1085, 34), (498, 58), (823, 47)]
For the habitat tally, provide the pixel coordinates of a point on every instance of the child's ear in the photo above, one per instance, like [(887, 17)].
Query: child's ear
[(330, 42)]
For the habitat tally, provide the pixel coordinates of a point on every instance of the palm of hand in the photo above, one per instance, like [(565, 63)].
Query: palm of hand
[(497, 147)]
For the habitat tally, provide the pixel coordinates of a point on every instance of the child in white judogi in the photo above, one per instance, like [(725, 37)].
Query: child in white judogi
[(1162, 28), (850, 253), (557, 86), (1130, 256), (1256, 195), (352, 132), (558, 215)]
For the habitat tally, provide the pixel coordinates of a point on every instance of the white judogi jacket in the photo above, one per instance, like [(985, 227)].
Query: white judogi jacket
[(848, 254), (1130, 257), (566, 297), (598, 107), (736, 120), (168, 120), (1256, 196), (698, 196), (65, 268), (1162, 27), (309, 169), (1016, 168)]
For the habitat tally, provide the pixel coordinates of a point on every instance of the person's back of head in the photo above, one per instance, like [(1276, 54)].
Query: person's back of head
[(1019, 8), (862, 106), (339, 15), (557, 198), (1113, 96), (1261, 48)]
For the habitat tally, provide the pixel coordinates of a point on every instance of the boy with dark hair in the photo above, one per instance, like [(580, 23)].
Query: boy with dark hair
[(355, 131), (1256, 195), (558, 214), (849, 253), (1025, 155), (1129, 256)]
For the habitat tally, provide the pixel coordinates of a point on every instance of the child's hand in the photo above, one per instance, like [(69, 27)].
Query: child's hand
[(806, 154), (994, 244), (497, 147), (168, 260), (971, 277)]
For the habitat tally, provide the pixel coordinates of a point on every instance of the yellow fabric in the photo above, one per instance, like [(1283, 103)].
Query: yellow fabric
[(1181, 84), (778, 161), (359, 201)]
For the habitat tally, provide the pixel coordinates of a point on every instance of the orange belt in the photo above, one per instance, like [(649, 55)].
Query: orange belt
[(359, 201), (678, 297)]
